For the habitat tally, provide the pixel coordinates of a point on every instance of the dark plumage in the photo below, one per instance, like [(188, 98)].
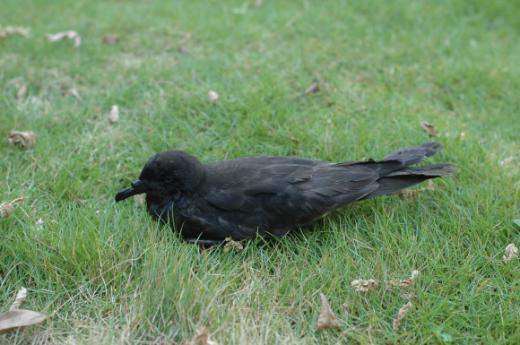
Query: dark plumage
[(242, 197)]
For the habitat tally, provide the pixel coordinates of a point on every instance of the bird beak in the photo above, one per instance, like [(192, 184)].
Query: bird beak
[(138, 187)]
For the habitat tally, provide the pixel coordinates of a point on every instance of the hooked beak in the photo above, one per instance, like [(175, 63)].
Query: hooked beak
[(138, 187)]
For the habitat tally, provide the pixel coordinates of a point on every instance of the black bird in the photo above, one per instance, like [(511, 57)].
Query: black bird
[(267, 195)]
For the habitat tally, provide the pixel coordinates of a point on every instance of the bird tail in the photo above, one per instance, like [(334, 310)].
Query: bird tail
[(404, 178), (396, 169)]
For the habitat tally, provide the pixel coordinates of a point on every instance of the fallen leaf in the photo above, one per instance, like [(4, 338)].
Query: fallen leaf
[(113, 116), (401, 315), (13, 30), (71, 35), (408, 193), (140, 200), (511, 252), (212, 96), (111, 39), (232, 245), (16, 318), (7, 208), (20, 318), (23, 139), (314, 87), (73, 92), (327, 318), (19, 299), (405, 282), (294, 139), (364, 285), (22, 91), (430, 185), (202, 337), (429, 129)]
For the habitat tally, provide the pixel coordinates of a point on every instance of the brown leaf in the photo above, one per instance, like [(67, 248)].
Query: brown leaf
[(511, 252), (71, 35), (202, 337), (314, 87), (7, 208), (20, 318), (401, 315), (232, 245), (405, 282), (113, 116), (364, 285), (429, 129), (13, 30), (111, 39), (327, 318), (19, 299), (212, 96), (23, 139)]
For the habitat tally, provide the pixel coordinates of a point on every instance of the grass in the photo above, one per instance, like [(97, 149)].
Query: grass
[(107, 274)]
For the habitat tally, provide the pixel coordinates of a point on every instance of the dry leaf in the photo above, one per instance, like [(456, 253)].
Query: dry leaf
[(212, 96), (7, 208), (430, 185), (401, 314), (16, 318), (71, 35), (314, 87), (232, 245), (511, 252), (202, 337), (110, 39), (405, 282), (73, 92), (429, 129), (23, 139), (13, 30), (22, 91), (408, 193), (364, 285), (19, 299), (20, 318), (140, 200), (327, 318), (113, 117)]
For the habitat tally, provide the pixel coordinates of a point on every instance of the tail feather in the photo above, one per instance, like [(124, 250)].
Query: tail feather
[(401, 179), (414, 155), (399, 160)]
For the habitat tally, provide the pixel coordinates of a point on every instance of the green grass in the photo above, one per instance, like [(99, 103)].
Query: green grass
[(107, 274)]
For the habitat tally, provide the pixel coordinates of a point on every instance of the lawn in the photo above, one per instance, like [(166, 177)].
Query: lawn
[(107, 274)]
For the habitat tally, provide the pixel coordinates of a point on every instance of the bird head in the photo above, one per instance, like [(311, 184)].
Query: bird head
[(166, 174)]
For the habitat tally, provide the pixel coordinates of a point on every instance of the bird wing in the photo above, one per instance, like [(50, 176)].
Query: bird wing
[(283, 194)]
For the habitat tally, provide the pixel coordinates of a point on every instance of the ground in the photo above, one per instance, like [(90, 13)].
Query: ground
[(106, 274)]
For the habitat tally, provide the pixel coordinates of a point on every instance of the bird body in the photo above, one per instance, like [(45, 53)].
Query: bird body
[(268, 195)]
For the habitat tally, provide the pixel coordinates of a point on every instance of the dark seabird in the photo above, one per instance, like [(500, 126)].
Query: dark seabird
[(268, 195)]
